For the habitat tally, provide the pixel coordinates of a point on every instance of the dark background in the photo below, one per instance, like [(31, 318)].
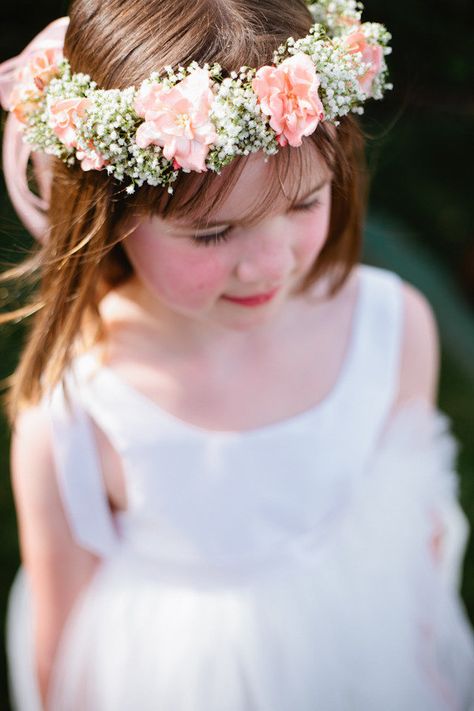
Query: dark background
[(419, 222)]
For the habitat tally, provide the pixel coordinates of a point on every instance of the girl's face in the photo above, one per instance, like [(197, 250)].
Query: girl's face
[(180, 277)]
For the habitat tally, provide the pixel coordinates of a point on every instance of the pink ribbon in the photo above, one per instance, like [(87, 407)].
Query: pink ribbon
[(31, 208)]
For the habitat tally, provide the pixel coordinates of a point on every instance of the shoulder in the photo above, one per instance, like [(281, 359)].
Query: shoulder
[(31, 459), (419, 348)]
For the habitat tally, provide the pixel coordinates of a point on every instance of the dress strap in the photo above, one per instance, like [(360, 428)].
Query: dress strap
[(381, 331), (372, 386), (78, 470)]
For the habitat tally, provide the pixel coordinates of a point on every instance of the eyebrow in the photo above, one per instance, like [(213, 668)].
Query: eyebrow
[(219, 223), (320, 185)]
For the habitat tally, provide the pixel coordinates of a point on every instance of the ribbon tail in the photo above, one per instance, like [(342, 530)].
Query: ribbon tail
[(30, 207)]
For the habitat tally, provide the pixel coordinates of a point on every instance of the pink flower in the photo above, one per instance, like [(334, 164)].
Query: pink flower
[(91, 159), (62, 118), (289, 94), (31, 78), (347, 21), (44, 66), (371, 53), (22, 102), (177, 119)]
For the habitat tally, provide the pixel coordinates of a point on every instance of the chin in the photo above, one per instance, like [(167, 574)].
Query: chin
[(249, 322)]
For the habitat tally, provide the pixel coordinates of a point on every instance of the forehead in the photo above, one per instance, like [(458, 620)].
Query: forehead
[(261, 188), (258, 175)]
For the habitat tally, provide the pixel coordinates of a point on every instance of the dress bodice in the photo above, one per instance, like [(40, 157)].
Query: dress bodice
[(284, 567), (206, 496)]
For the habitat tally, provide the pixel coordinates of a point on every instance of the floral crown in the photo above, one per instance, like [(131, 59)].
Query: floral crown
[(193, 118)]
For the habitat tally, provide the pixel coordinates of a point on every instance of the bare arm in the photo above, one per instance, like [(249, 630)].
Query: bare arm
[(57, 566), (419, 373), (420, 358)]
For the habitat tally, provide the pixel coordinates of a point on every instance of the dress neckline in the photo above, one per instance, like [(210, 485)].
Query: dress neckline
[(116, 383)]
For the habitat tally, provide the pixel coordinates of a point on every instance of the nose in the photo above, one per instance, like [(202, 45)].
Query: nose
[(266, 258)]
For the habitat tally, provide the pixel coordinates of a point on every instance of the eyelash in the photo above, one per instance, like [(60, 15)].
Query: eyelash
[(212, 238), (215, 238)]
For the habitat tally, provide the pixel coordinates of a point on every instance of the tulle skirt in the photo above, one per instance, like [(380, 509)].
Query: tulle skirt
[(360, 616)]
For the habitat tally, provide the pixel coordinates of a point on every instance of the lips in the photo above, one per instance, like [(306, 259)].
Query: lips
[(253, 300)]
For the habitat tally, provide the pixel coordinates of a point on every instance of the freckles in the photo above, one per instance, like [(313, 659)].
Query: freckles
[(177, 271), (182, 273), (196, 274), (311, 241)]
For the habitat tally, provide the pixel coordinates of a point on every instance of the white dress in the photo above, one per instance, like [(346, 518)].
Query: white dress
[(284, 568)]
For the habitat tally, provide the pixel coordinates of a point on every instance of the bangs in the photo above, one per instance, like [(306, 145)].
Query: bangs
[(196, 197)]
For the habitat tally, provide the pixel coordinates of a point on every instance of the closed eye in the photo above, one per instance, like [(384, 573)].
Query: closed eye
[(307, 206), (212, 238), (224, 236)]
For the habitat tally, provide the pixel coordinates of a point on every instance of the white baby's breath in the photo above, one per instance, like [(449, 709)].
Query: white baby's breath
[(110, 122)]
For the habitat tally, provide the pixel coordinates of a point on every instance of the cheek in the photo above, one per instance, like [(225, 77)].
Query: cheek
[(174, 271), (313, 235)]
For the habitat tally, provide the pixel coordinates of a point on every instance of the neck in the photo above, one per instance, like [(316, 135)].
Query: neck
[(154, 326)]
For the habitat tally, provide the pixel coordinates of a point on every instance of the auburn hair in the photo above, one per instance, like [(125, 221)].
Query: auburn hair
[(119, 44)]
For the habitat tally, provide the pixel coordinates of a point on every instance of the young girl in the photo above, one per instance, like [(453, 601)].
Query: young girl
[(234, 488)]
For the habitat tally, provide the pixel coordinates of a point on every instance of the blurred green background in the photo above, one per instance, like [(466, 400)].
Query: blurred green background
[(419, 222)]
